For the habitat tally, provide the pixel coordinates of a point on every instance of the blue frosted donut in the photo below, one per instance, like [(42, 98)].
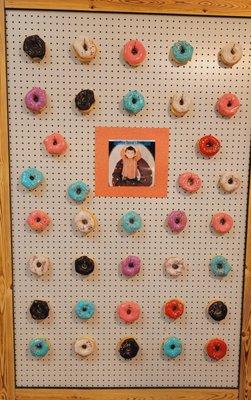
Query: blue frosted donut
[(39, 347), (172, 347), (131, 222), (78, 191), (219, 266), (84, 309), (133, 101), (31, 178), (182, 52)]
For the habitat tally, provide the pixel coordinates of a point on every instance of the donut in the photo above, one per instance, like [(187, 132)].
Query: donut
[(230, 54), (182, 52), (181, 104), (222, 222), (31, 178), (85, 100), (130, 266), (172, 347), (134, 52), (174, 308), (175, 266), (133, 101), (34, 47), (131, 222), (84, 309), (39, 309), (216, 348), (36, 100), (219, 266), (128, 348), (229, 182), (38, 220), (78, 191), (129, 311), (39, 264), (189, 181), (209, 145), (55, 144), (85, 48), (39, 347), (84, 265), (85, 221), (176, 221), (217, 310), (228, 105), (85, 346)]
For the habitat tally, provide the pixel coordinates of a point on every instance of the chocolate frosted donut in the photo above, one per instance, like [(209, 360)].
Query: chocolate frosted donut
[(84, 265), (34, 46), (128, 348), (85, 100), (39, 309), (217, 310)]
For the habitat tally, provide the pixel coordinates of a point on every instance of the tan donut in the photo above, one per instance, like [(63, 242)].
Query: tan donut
[(39, 264), (85, 346), (85, 221), (175, 266), (85, 48), (230, 54), (181, 104), (229, 182)]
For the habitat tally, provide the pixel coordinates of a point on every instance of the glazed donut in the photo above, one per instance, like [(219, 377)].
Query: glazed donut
[(36, 100), (84, 309), (39, 264), (130, 266), (216, 349), (85, 100), (190, 182), (38, 220), (78, 191), (34, 47), (55, 144), (31, 178), (133, 101), (85, 346), (172, 347), (182, 52), (84, 265), (230, 54), (217, 310), (128, 348), (219, 266), (131, 222), (174, 266), (85, 221), (129, 311), (228, 105), (209, 145), (39, 309), (222, 222), (181, 104), (134, 52), (174, 308), (229, 182), (85, 48), (39, 347), (176, 221)]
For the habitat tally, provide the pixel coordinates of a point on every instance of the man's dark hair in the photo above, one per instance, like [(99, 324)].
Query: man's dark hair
[(130, 148)]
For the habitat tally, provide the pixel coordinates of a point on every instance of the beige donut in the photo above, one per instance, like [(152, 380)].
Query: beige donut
[(85, 221), (85, 346), (85, 48), (181, 104), (229, 182), (175, 266), (230, 54), (39, 264)]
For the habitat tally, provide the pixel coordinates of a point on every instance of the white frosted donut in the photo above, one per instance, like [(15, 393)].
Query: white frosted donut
[(85, 346), (85, 221), (181, 104), (174, 266), (229, 182), (85, 48), (39, 264), (231, 53)]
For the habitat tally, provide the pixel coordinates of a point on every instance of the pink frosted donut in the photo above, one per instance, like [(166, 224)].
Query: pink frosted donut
[(228, 105), (36, 99), (130, 266), (222, 222), (55, 143), (134, 52), (128, 311), (38, 220), (190, 182), (176, 221)]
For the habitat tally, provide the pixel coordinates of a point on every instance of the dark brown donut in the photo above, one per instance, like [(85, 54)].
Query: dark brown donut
[(85, 99), (39, 309), (217, 310), (128, 348), (84, 265), (34, 46)]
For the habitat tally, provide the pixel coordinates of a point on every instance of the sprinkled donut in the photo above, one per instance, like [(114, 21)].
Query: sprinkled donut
[(172, 347), (222, 222), (78, 191), (36, 100), (128, 348), (182, 52), (131, 222), (39, 264), (39, 347), (85, 100), (39, 309), (219, 266), (231, 54), (85, 346), (84, 265), (228, 105), (229, 182), (34, 47), (55, 144), (209, 145), (31, 178), (216, 348), (129, 311), (84, 309), (134, 52), (38, 220), (190, 182), (175, 266), (176, 221), (181, 104), (85, 48), (133, 101), (217, 310), (130, 266), (174, 308), (85, 221)]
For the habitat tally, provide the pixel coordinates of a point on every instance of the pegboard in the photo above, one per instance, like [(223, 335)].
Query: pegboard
[(63, 76)]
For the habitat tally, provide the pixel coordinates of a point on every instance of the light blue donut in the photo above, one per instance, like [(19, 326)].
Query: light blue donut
[(31, 178), (219, 266), (39, 347), (84, 309), (131, 222), (133, 101), (172, 347), (78, 191), (182, 52)]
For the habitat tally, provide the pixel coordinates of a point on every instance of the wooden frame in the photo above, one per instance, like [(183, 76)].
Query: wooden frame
[(7, 381)]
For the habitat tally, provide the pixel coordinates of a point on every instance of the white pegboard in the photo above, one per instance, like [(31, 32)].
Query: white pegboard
[(63, 76)]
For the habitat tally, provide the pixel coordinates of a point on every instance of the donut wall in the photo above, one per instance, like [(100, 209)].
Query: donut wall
[(62, 75)]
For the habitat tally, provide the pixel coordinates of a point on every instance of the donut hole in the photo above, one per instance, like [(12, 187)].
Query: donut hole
[(229, 103), (134, 51), (134, 100), (232, 50), (54, 142), (181, 101), (85, 47), (32, 177), (219, 265), (230, 181), (78, 190), (131, 220), (39, 345), (84, 221), (35, 98), (84, 346), (130, 265), (209, 144), (174, 307), (182, 49), (128, 311), (177, 221), (217, 347), (190, 181), (84, 309), (175, 266), (38, 219), (222, 221), (172, 347), (39, 264)]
